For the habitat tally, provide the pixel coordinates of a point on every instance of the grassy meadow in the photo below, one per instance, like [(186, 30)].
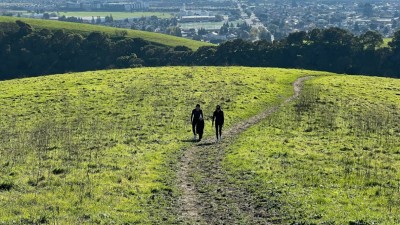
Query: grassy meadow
[(386, 42), (331, 157), (102, 147), (163, 39)]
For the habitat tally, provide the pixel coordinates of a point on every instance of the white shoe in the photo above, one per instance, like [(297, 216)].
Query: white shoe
[(217, 141), (194, 137)]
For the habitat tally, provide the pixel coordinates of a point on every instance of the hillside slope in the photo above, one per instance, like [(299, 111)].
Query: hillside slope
[(87, 28), (331, 157), (103, 147)]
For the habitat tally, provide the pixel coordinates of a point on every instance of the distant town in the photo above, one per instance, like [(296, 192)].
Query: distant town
[(217, 21)]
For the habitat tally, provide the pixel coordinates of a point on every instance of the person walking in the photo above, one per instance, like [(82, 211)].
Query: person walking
[(195, 117), (218, 117)]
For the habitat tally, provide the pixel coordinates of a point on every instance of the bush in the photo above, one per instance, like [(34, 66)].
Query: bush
[(6, 185)]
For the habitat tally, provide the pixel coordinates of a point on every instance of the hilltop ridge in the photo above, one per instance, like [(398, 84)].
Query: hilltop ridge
[(157, 38)]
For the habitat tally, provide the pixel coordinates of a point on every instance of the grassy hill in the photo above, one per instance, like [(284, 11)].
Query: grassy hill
[(87, 28), (332, 157), (103, 147)]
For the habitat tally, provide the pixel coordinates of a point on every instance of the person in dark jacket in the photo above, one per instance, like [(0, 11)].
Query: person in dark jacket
[(218, 117), (200, 127), (195, 117)]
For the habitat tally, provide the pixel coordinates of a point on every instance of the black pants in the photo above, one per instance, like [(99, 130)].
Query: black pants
[(200, 136), (218, 130), (194, 123), (200, 129)]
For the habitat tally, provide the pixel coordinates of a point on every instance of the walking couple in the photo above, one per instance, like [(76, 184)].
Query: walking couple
[(197, 119)]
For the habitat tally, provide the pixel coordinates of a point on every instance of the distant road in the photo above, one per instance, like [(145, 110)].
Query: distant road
[(252, 20)]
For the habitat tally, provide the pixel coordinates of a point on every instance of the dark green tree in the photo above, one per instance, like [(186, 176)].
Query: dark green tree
[(296, 38), (395, 43), (202, 31), (224, 29), (371, 39)]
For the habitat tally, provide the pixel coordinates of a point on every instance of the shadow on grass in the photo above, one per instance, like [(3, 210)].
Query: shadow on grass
[(205, 144), (196, 141), (189, 140)]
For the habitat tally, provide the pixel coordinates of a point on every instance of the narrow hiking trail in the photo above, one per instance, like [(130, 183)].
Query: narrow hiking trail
[(207, 197)]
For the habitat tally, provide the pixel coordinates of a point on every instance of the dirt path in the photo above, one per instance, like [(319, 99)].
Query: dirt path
[(207, 197)]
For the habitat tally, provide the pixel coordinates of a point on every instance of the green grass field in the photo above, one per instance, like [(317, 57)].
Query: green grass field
[(102, 147), (386, 42), (332, 157), (117, 15), (87, 28)]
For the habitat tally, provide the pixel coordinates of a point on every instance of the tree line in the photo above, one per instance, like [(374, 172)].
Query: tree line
[(333, 49), (25, 51)]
